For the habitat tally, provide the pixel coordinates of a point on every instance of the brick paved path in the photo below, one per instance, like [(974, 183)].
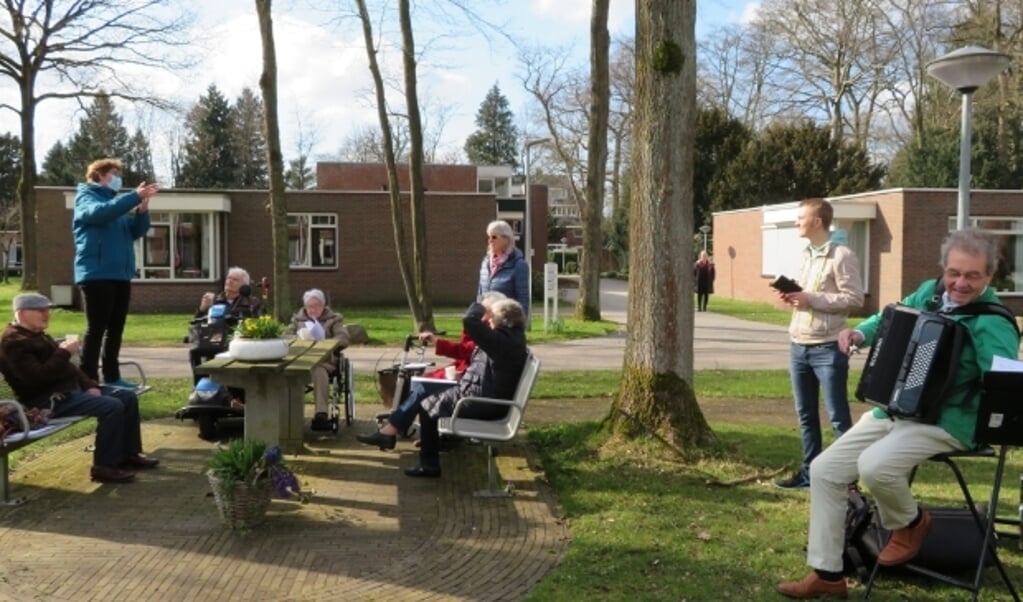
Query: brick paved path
[(369, 532)]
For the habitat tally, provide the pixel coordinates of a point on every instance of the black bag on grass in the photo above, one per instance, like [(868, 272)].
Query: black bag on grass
[(952, 544)]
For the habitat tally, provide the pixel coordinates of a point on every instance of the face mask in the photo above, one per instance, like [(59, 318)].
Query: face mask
[(115, 183)]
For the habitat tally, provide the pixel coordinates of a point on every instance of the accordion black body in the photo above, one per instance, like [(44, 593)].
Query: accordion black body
[(912, 363)]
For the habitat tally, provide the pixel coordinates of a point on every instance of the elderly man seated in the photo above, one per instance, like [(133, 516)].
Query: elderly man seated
[(40, 371)]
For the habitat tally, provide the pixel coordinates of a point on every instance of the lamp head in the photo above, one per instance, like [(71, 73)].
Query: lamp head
[(969, 68)]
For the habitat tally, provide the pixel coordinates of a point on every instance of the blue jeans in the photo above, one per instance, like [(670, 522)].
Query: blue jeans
[(118, 434), (816, 368)]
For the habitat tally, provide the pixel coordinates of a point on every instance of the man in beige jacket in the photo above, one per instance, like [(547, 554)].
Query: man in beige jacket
[(830, 279)]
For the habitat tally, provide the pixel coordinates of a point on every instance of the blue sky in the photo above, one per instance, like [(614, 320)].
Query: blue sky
[(323, 75)]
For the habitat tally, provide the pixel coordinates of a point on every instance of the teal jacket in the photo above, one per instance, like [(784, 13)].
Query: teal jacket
[(105, 233), (990, 335)]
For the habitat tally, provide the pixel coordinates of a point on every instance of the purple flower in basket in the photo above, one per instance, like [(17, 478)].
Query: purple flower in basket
[(284, 481)]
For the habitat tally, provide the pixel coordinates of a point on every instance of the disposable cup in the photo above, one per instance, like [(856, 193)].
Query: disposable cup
[(450, 373)]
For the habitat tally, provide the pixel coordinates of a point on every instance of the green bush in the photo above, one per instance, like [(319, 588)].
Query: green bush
[(571, 267)]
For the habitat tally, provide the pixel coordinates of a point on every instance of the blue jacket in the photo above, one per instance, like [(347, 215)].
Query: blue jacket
[(512, 279), (105, 233)]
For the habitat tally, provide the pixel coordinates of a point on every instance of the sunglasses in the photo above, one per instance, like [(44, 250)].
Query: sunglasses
[(494, 236)]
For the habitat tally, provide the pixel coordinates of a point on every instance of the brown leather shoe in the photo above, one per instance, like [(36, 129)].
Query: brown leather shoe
[(812, 586), (111, 474), (140, 461), (905, 543)]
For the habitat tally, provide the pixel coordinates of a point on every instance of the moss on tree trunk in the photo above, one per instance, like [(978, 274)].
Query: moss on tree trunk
[(662, 405)]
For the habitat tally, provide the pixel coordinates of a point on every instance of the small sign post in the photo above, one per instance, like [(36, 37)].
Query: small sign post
[(550, 292)]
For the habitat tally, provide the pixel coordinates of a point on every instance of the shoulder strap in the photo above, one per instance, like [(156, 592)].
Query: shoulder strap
[(987, 308)]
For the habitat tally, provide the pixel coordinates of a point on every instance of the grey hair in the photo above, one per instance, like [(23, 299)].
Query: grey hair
[(488, 298), (314, 293), (240, 272), (972, 242), (508, 312), (501, 228)]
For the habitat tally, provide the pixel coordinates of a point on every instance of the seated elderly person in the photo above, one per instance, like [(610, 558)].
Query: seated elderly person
[(41, 373), (493, 371), (318, 322), (241, 303)]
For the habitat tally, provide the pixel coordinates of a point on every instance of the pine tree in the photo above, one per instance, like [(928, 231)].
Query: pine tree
[(10, 169), (299, 175), (496, 140), (250, 142), (59, 169), (138, 161), (101, 134), (208, 157)]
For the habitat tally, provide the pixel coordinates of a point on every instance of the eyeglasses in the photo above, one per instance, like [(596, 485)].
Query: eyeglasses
[(968, 276)]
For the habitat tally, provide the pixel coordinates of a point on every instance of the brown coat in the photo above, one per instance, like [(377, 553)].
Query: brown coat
[(35, 367)]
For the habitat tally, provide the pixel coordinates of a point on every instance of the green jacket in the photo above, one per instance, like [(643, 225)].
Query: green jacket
[(990, 335)]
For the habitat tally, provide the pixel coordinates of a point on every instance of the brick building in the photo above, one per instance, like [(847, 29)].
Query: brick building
[(340, 240), (895, 233)]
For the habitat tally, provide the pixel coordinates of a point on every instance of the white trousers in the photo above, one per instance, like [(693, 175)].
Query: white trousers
[(880, 453)]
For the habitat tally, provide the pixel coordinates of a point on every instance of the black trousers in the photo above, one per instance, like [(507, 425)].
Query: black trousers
[(106, 308)]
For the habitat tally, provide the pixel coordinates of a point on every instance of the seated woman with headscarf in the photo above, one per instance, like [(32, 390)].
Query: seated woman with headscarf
[(493, 371)]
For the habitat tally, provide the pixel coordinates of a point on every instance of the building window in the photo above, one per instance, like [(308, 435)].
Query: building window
[(178, 246), (484, 185), (1008, 234), (312, 240)]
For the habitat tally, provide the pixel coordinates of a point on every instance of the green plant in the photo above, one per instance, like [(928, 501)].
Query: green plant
[(249, 461), (263, 327)]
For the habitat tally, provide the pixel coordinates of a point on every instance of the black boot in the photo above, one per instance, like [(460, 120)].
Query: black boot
[(384, 442)]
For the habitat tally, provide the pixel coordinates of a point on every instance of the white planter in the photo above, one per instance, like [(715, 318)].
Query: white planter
[(257, 350)]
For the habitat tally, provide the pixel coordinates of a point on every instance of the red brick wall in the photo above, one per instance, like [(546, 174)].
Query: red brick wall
[(905, 243), (368, 269), (373, 177)]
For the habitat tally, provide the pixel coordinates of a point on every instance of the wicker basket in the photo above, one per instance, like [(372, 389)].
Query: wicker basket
[(245, 505)]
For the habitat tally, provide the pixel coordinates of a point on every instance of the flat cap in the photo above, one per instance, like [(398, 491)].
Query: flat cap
[(31, 301)]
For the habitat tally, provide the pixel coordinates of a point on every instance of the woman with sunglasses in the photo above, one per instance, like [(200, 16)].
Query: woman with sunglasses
[(504, 268)]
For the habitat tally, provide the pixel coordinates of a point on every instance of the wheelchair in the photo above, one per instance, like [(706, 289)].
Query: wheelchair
[(340, 392)]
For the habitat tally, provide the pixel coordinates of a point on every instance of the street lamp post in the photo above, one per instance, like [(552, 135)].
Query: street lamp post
[(527, 226), (965, 70), (705, 230)]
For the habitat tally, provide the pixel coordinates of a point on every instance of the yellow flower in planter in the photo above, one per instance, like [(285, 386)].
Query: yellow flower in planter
[(263, 327)]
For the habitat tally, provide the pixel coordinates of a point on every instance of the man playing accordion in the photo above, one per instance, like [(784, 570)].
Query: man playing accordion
[(881, 450)]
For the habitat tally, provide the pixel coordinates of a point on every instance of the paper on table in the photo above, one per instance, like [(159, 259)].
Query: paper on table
[(1005, 364)]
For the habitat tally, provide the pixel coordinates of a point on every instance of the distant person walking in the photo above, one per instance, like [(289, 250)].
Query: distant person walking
[(704, 272), (105, 227), (831, 288)]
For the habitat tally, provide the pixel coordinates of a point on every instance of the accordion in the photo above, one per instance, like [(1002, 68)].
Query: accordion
[(912, 363)]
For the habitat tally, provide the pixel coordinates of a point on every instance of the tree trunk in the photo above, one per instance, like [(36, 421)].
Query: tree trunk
[(656, 395), (417, 193), (587, 306), (27, 192), (397, 215), (275, 161)]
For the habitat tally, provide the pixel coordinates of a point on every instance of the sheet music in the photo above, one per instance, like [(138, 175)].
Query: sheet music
[(1005, 364)]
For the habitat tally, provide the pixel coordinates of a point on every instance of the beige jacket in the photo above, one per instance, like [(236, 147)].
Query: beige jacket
[(831, 278)]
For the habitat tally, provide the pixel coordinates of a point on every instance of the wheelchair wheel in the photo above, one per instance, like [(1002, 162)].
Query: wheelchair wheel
[(349, 393)]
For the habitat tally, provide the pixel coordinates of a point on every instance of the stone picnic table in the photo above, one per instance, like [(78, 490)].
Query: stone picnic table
[(274, 390)]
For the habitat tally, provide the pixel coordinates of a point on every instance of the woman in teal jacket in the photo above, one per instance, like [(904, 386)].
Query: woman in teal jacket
[(504, 268), (105, 227)]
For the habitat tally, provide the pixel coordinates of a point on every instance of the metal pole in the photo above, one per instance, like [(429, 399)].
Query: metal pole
[(963, 209), (704, 242)]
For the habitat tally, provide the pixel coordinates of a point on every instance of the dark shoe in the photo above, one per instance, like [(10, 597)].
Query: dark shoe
[(321, 422), (423, 471), (798, 480), (384, 442), (812, 586), (905, 543), (139, 461), (110, 474)]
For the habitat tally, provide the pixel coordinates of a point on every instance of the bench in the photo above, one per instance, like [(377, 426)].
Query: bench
[(16, 441), (492, 432)]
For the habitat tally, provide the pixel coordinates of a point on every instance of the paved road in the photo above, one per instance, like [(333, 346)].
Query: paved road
[(719, 342)]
